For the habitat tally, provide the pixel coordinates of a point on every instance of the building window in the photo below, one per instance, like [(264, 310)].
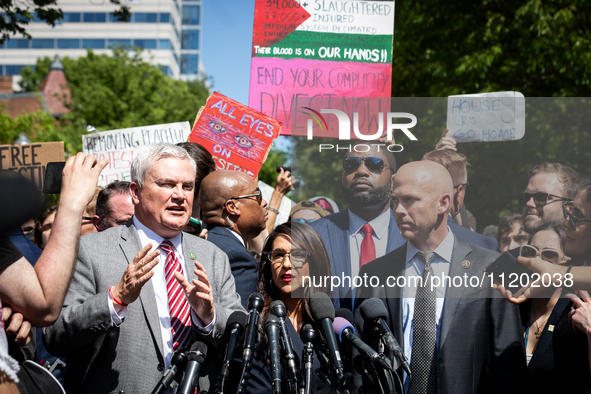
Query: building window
[(189, 64), (68, 43), (93, 43), (145, 44), (164, 17), (145, 17), (13, 69), (96, 17), (119, 43), (165, 70), (190, 39), (164, 44), (191, 15), (71, 17), (17, 43), (42, 43)]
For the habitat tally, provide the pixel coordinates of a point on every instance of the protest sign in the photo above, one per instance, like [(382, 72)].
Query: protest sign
[(238, 137), (496, 116), (119, 146), (333, 48), (30, 160)]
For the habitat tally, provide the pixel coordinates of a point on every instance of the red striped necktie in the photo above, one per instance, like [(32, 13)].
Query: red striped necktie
[(180, 312)]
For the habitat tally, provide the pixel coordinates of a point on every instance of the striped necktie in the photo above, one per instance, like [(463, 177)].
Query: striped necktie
[(180, 312)]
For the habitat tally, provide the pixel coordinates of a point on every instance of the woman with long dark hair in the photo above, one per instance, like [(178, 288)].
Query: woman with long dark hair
[(294, 260)]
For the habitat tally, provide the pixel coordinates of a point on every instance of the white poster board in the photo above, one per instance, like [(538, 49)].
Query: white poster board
[(496, 116), (119, 146)]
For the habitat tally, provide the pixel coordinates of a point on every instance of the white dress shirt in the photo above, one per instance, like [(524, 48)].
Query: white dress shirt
[(415, 267), (380, 237), (147, 236)]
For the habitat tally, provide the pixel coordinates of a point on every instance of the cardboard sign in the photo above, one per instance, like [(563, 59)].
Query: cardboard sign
[(330, 48), (497, 116), (238, 137), (30, 160), (120, 145)]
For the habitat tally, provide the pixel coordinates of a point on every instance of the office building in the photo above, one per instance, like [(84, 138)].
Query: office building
[(169, 31)]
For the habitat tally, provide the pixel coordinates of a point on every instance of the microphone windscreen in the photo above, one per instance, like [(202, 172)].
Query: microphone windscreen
[(373, 308), (271, 319), (345, 314), (198, 352), (277, 308), (321, 307), (237, 317), (339, 324)]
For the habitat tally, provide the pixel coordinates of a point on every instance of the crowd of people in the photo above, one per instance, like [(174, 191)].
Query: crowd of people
[(114, 280)]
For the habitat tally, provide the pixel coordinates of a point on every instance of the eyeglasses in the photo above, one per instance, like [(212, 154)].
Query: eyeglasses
[(258, 195), (374, 164), (86, 218), (567, 210), (462, 184), (551, 255), (540, 198), (297, 257), (304, 221)]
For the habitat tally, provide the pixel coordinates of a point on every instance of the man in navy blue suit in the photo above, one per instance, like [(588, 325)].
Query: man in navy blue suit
[(350, 242), (456, 163), (234, 210)]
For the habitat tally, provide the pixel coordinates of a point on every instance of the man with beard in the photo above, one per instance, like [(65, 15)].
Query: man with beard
[(365, 230)]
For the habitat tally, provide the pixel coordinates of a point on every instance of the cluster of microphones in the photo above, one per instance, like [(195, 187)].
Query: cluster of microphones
[(341, 354)]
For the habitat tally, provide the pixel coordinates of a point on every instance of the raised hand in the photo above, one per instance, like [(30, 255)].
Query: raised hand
[(136, 275), (199, 293), (446, 142)]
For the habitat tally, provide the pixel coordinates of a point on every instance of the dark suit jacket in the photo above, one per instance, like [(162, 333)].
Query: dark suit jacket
[(560, 353), (473, 237), (243, 264), (334, 231), (480, 345)]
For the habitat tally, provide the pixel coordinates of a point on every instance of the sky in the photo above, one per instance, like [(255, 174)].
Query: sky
[(227, 40)]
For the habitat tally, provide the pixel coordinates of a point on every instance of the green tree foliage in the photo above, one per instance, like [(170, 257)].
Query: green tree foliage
[(268, 172), (118, 91), (540, 48)]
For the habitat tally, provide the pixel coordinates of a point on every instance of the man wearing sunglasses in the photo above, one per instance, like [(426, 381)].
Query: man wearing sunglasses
[(234, 210), (365, 230), (549, 185), (456, 163)]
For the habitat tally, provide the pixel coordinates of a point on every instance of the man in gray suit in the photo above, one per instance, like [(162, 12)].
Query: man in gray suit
[(457, 337), (117, 327)]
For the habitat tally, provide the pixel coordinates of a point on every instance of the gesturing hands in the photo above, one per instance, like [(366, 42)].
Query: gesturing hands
[(199, 293), (137, 273), (580, 315)]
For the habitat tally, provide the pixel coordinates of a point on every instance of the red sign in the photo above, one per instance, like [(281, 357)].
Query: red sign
[(274, 21), (238, 137)]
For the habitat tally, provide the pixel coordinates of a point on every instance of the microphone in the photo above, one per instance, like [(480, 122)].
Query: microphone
[(346, 333), (234, 329), (278, 309), (273, 335), (374, 310), (195, 361), (308, 336), (177, 363), (323, 314), (255, 305)]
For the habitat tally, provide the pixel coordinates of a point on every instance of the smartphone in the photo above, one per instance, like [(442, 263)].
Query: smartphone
[(52, 184), (195, 226), (507, 271), (284, 169)]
